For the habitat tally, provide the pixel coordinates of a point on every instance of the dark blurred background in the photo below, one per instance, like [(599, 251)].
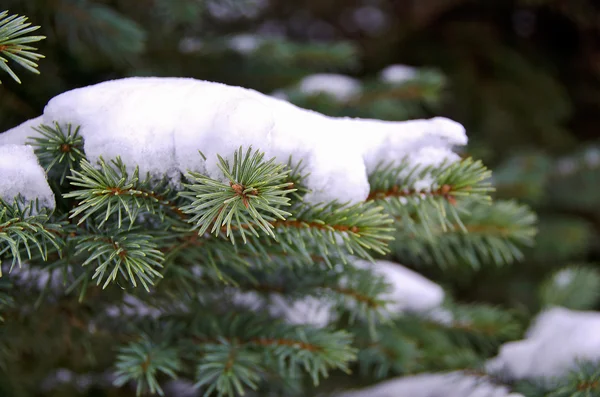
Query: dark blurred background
[(523, 76)]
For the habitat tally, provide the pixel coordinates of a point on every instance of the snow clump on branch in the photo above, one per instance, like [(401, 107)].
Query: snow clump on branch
[(161, 124)]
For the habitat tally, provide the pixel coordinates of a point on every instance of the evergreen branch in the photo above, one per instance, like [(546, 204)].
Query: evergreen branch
[(23, 227), (357, 292), (264, 347), (428, 196), (336, 228), (13, 40), (112, 191), (574, 287), (55, 147), (487, 234), (296, 179), (214, 257), (482, 327), (582, 380), (228, 370), (142, 362), (125, 253), (6, 300), (252, 198), (86, 25), (312, 56)]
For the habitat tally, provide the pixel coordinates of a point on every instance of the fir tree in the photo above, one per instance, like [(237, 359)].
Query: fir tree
[(131, 283)]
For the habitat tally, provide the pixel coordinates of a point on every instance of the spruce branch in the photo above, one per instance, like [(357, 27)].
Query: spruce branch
[(583, 380), (6, 300), (24, 227), (13, 44), (574, 287), (128, 254), (401, 190), (89, 27), (251, 199), (142, 361), (479, 326), (111, 190), (336, 229), (228, 369), (243, 346), (57, 147), (487, 233)]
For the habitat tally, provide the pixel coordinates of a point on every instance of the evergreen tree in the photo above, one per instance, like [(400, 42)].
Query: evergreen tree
[(131, 289)]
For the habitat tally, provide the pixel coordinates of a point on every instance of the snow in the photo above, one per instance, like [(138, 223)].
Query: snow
[(20, 173), (160, 124), (410, 291), (132, 306), (396, 74), (245, 43), (455, 384), (341, 87), (558, 339), (308, 310), (564, 278)]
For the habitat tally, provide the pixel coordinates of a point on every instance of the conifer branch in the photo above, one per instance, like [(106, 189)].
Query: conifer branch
[(23, 227), (57, 147), (142, 362), (111, 191), (251, 199), (13, 44), (283, 349), (487, 233), (402, 191), (130, 255), (336, 229)]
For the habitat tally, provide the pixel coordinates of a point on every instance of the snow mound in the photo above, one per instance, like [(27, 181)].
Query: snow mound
[(453, 384), (341, 87), (20, 173), (160, 124), (410, 291), (558, 339)]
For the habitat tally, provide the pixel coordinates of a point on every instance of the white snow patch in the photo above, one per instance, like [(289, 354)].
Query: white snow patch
[(410, 291), (454, 384), (341, 87), (396, 74), (554, 344), (309, 310), (160, 124), (564, 277), (20, 173), (133, 306), (245, 43)]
